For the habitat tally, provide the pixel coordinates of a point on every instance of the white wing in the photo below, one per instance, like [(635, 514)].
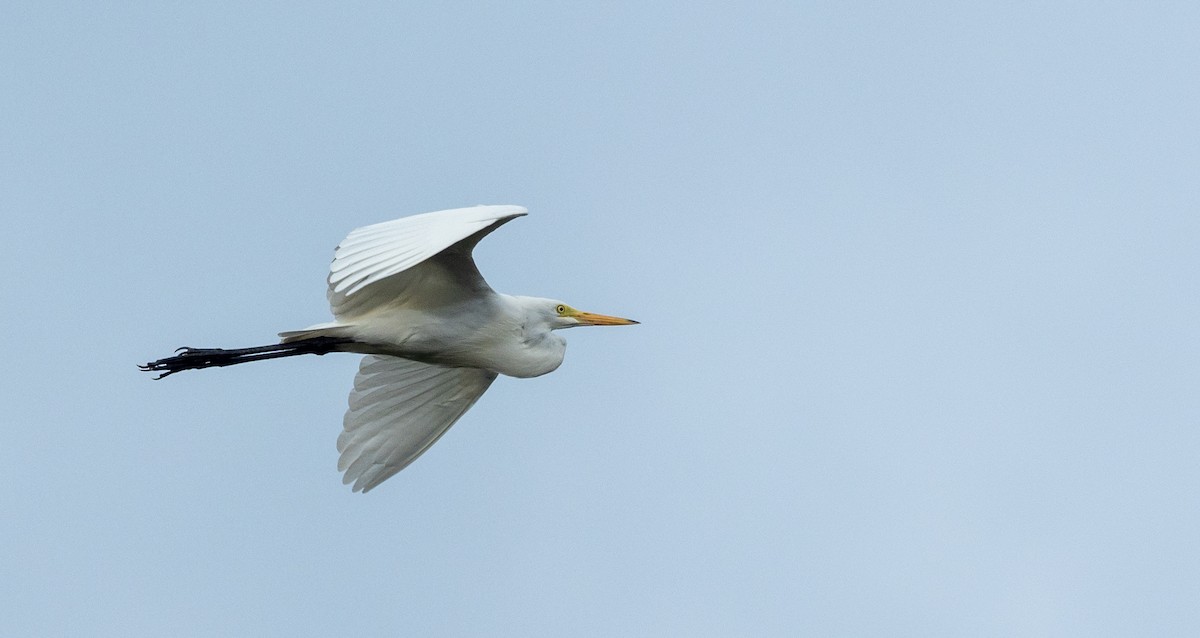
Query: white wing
[(422, 259), (399, 408)]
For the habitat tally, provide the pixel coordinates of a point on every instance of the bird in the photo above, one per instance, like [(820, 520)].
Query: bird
[(407, 294)]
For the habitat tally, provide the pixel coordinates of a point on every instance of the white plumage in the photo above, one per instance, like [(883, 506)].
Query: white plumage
[(399, 408), (407, 293)]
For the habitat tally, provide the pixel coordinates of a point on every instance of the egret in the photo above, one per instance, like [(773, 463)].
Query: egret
[(407, 294)]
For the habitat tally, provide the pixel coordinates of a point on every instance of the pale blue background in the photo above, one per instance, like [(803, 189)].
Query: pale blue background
[(918, 283)]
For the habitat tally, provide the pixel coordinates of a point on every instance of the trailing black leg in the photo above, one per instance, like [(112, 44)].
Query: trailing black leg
[(196, 358)]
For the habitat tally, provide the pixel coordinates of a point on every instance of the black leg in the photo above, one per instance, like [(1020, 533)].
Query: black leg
[(196, 358)]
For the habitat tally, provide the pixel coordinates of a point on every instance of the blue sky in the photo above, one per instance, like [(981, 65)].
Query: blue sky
[(917, 283)]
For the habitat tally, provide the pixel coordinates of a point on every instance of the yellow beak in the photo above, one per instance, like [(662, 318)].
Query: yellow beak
[(593, 319)]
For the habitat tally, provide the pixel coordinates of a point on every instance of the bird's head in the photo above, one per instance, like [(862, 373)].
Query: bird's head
[(557, 315)]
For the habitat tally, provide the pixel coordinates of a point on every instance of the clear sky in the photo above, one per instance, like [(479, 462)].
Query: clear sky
[(918, 284)]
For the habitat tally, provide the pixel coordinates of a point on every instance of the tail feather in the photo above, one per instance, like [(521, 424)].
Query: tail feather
[(197, 358), (331, 329)]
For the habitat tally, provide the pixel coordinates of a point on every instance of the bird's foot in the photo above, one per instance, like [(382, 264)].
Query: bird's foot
[(184, 359)]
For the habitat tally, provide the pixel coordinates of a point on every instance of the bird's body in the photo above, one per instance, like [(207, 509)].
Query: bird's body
[(495, 332), (407, 293)]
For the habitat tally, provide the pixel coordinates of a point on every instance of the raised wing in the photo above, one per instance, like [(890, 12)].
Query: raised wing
[(419, 259), (399, 408)]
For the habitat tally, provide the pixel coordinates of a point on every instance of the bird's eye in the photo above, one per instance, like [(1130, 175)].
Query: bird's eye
[(560, 309)]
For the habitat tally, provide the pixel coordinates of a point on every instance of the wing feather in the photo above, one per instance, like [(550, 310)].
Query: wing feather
[(399, 408), (380, 263)]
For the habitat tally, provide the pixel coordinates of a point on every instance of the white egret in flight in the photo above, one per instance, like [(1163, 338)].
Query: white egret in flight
[(407, 294)]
